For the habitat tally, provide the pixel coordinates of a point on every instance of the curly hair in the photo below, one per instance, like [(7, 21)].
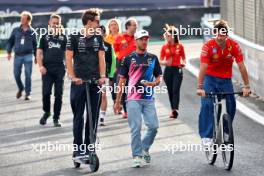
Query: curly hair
[(90, 14)]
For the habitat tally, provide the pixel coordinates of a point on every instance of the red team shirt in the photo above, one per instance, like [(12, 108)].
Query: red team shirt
[(175, 51), (220, 61), (124, 45)]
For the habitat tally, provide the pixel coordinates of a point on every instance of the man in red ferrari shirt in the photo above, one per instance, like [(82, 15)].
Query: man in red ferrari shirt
[(217, 57), (124, 45)]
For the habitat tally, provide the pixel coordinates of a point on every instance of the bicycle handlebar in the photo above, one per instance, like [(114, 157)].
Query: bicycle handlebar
[(223, 93), (90, 81)]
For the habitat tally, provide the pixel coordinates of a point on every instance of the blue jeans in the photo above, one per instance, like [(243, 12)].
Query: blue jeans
[(19, 61), (214, 84), (136, 109)]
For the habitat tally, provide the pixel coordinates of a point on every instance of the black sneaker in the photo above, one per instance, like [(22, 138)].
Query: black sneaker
[(57, 123), (102, 122), (44, 118), (175, 114), (19, 94), (27, 98)]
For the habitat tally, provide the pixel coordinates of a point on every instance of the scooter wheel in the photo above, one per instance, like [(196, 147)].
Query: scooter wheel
[(94, 163)]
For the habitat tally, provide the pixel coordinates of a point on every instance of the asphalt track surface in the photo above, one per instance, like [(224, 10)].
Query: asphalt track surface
[(20, 131)]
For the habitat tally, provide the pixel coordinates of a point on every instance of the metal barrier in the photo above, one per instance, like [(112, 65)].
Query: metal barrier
[(246, 17)]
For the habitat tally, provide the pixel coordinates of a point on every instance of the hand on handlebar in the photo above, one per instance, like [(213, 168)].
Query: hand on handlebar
[(77, 81), (200, 92), (246, 92)]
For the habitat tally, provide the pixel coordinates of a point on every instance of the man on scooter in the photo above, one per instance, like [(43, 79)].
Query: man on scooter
[(85, 60)]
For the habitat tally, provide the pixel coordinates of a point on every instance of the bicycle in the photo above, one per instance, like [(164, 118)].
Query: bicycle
[(223, 135)]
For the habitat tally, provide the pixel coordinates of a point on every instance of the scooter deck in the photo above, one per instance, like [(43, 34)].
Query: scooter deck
[(82, 160)]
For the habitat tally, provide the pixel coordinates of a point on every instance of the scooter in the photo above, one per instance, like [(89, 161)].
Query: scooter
[(90, 159)]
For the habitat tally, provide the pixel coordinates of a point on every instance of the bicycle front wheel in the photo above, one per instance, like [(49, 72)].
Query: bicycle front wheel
[(228, 152), (211, 151), (211, 154)]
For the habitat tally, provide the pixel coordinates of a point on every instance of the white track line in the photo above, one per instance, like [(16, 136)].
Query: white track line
[(240, 106)]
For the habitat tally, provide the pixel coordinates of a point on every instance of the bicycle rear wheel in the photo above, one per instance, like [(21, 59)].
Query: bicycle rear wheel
[(228, 152)]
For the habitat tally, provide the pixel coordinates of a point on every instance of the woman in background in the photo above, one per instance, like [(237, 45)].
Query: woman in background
[(172, 55), (109, 34), (113, 30)]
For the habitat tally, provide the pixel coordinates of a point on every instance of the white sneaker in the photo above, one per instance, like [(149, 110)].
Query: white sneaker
[(226, 137), (137, 162), (207, 142)]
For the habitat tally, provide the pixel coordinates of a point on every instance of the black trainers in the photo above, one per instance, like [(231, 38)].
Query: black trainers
[(175, 114), (101, 122), (44, 118), (27, 98), (57, 123), (19, 94)]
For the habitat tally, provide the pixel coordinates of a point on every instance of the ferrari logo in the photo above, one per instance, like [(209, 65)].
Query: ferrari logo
[(215, 56)]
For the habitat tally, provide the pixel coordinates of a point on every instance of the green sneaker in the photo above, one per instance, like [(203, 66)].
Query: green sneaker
[(146, 156), (44, 118), (137, 162)]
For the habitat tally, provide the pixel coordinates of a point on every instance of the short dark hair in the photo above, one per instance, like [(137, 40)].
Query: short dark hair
[(90, 14), (220, 26), (54, 15), (129, 21)]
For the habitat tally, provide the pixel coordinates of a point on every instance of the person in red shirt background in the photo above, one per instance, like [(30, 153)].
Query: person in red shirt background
[(172, 55), (124, 45), (216, 61)]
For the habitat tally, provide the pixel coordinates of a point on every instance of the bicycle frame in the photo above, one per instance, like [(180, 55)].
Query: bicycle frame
[(219, 111), (220, 116), (219, 100)]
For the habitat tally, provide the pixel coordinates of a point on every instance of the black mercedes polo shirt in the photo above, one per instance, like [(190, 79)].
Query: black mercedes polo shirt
[(53, 47), (85, 55)]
